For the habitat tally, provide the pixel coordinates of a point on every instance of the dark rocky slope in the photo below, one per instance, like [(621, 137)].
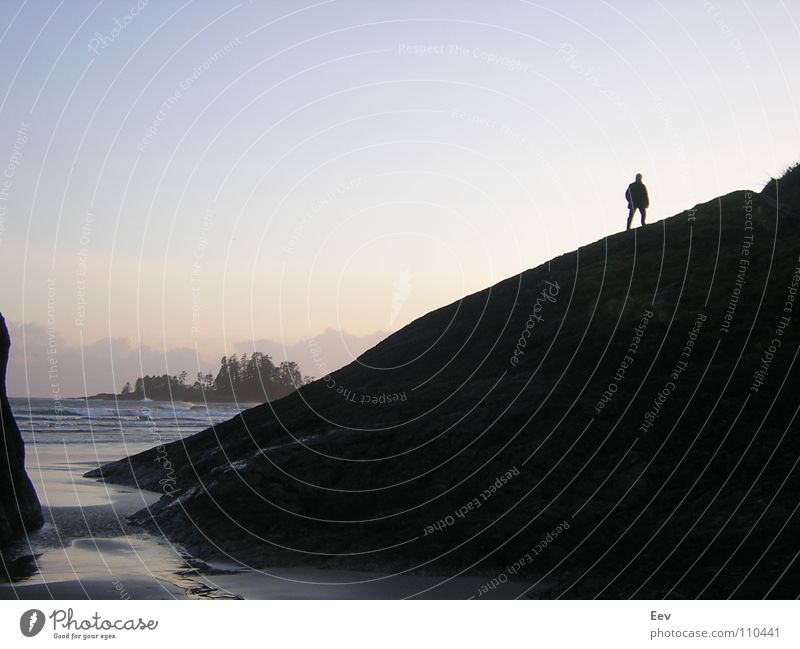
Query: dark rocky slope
[(691, 493), (19, 506)]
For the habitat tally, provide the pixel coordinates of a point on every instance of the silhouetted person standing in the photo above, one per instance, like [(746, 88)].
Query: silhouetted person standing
[(637, 199)]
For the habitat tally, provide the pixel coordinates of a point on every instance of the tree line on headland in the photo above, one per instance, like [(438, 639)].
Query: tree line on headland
[(245, 378)]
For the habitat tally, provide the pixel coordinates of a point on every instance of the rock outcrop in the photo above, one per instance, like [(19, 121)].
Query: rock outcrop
[(620, 421), (20, 510)]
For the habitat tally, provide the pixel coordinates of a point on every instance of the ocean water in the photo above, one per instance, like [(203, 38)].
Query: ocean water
[(123, 424)]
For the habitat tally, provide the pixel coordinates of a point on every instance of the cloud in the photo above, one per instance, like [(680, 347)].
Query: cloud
[(42, 364), (319, 355)]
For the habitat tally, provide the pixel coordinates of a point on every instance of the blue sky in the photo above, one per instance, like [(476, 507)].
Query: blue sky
[(212, 173)]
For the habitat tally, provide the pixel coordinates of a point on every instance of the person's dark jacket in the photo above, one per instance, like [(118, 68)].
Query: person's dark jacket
[(636, 195)]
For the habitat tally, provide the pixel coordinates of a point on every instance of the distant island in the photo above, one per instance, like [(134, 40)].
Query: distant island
[(253, 378)]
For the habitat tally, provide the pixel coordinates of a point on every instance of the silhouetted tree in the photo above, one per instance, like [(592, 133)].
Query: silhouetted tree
[(246, 378)]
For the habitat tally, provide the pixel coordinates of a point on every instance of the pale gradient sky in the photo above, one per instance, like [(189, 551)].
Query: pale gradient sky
[(269, 170)]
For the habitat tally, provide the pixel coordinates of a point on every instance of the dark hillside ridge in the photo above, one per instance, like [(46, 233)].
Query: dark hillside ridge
[(647, 405)]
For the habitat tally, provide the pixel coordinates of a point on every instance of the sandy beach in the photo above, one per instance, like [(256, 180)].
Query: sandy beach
[(87, 550)]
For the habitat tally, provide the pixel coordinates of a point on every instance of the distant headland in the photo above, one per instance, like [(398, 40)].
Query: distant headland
[(253, 378)]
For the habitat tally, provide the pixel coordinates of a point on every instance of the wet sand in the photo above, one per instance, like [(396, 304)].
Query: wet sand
[(87, 550)]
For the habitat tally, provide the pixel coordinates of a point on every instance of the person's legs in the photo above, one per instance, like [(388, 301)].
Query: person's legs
[(643, 211), (631, 210)]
